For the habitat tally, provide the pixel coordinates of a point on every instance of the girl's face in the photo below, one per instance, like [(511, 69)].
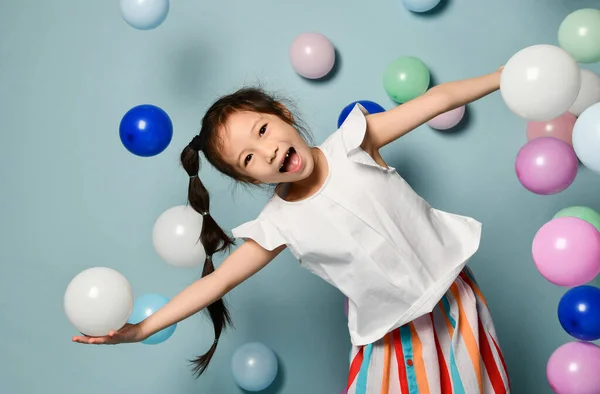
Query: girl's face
[(265, 148)]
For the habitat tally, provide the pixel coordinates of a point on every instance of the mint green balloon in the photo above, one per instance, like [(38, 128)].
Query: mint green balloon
[(406, 78), (579, 35), (584, 213)]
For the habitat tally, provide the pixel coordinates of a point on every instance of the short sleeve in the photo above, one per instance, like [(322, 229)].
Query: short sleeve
[(353, 132), (354, 128), (262, 232)]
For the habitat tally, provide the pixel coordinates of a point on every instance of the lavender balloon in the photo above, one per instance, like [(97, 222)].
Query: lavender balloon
[(546, 165), (448, 119), (574, 368), (312, 55)]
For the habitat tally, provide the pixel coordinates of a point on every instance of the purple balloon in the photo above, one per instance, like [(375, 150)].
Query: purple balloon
[(546, 165), (575, 368), (312, 55), (447, 120)]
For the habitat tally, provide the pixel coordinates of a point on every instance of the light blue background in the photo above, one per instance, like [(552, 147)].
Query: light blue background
[(73, 198)]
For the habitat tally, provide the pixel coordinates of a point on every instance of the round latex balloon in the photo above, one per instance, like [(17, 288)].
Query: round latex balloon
[(254, 366), (585, 213), (586, 138), (176, 237), (146, 130), (540, 82), (448, 119), (145, 306), (589, 93), (406, 78), (574, 368), (579, 34), (144, 14), (560, 127), (546, 165), (98, 300), (566, 251), (420, 5), (312, 55), (370, 106), (579, 313)]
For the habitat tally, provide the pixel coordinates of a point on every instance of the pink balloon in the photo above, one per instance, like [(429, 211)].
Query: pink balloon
[(575, 368), (312, 55), (447, 120), (546, 165), (566, 251), (560, 127)]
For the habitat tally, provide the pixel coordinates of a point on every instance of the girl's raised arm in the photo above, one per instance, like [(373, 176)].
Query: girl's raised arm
[(385, 127)]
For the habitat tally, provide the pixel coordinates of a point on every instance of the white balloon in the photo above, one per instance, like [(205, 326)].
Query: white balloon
[(98, 300), (540, 82), (589, 93), (176, 237), (586, 138), (144, 14)]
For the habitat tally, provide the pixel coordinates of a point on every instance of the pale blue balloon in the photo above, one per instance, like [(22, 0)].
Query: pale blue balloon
[(144, 14), (254, 366), (143, 307), (420, 5), (586, 138)]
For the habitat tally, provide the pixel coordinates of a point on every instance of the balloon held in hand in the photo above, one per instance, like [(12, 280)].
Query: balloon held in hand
[(98, 300)]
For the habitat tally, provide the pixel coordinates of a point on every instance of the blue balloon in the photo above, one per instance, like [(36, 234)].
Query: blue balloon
[(254, 366), (420, 5), (144, 14), (579, 312), (146, 130), (143, 307), (370, 106)]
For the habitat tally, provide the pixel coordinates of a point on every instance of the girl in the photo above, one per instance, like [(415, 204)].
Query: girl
[(417, 320)]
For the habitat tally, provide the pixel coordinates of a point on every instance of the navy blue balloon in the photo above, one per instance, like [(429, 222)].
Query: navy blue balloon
[(146, 130), (579, 312), (370, 106)]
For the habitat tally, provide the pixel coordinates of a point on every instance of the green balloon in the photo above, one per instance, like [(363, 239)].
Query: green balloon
[(579, 34), (584, 213), (406, 78)]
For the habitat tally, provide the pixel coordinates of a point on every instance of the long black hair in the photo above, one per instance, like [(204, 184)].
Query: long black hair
[(208, 141)]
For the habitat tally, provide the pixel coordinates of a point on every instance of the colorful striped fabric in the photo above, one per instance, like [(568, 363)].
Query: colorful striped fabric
[(452, 350)]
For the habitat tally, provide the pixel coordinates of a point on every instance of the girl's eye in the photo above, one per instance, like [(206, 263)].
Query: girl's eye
[(247, 160), (262, 130)]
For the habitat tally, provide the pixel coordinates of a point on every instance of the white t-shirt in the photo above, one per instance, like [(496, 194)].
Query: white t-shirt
[(366, 232)]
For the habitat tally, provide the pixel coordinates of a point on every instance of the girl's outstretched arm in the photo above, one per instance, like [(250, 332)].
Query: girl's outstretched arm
[(385, 127), (244, 262)]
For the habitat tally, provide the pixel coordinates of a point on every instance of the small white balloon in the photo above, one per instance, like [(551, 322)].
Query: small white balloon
[(98, 300), (144, 14), (540, 82), (586, 138), (589, 93), (176, 237)]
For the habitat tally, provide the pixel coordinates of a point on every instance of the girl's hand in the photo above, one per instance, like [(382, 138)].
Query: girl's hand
[(129, 333)]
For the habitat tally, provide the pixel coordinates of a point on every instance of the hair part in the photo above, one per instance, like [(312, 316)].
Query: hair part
[(210, 141)]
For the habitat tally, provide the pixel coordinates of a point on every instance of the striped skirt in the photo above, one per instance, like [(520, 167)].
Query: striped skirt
[(453, 349)]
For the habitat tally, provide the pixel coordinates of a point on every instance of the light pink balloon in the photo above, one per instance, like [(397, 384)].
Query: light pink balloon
[(575, 368), (566, 251), (447, 120), (546, 165), (560, 127), (312, 55)]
